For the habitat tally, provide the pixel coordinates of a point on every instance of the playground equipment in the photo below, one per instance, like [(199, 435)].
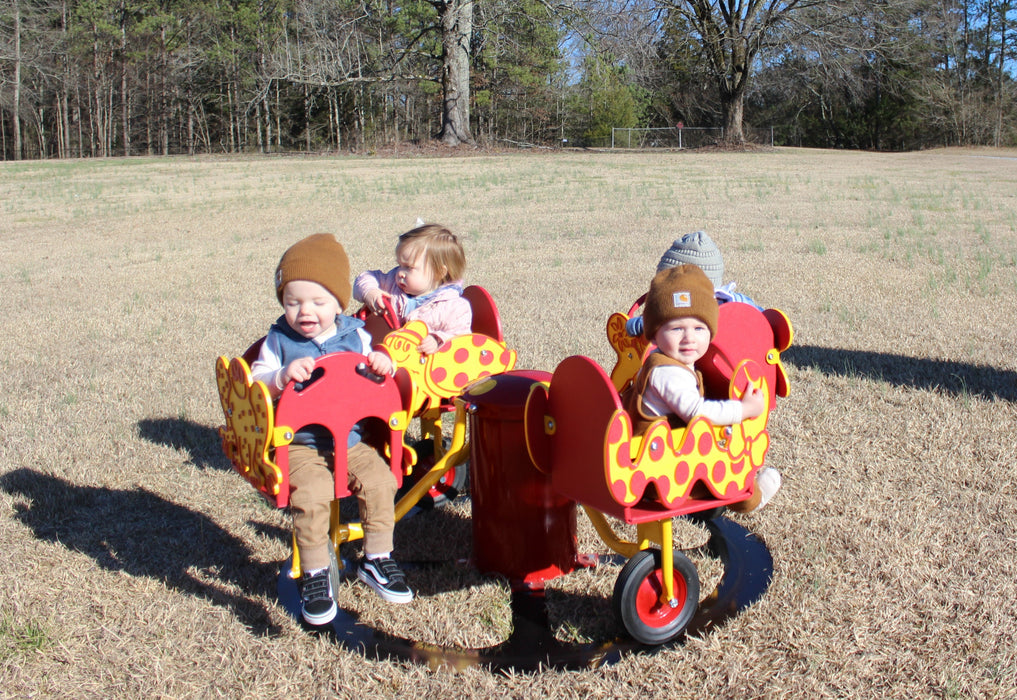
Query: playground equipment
[(578, 432), (539, 445), (341, 392)]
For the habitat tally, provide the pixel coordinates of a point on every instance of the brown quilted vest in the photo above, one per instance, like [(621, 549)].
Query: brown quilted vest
[(632, 397)]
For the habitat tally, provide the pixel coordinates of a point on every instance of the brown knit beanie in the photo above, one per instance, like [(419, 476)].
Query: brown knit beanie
[(678, 292), (319, 258)]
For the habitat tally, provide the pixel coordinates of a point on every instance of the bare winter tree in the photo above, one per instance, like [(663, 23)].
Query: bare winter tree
[(16, 56), (336, 47), (456, 20), (732, 33), (727, 34), (29, 50)]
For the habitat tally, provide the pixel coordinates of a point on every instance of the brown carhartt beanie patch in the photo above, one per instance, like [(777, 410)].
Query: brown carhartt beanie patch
[(318, 258), (678, 292)]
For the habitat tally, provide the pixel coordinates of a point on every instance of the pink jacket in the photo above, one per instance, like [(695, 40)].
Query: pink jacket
[(444, 310)]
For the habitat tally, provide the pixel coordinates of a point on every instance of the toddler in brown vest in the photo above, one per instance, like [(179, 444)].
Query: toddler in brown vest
[(680, 318)]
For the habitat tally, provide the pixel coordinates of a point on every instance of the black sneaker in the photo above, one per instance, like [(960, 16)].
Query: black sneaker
[(386, 578), (317, 603)]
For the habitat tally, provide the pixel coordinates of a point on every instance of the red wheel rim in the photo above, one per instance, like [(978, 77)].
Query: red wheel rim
[(444, 484), (648, 606)]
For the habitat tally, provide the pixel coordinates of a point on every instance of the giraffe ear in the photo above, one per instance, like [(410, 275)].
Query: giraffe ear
[(419, 222)]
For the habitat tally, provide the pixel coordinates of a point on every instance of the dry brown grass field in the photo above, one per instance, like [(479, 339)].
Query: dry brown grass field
[(137, 564)]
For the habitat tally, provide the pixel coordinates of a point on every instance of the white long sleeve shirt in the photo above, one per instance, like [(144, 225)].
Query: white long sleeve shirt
[(673, 390)]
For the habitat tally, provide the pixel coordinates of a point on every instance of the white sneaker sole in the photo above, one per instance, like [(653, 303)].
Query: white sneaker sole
[(385, 594), (323, 619)]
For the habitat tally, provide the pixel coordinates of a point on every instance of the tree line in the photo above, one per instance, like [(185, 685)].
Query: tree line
[(95, 78)]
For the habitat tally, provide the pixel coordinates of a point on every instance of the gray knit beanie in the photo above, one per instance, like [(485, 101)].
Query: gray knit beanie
[(695, 249)]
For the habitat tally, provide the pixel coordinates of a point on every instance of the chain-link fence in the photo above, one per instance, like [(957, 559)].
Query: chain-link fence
[(683, 136)]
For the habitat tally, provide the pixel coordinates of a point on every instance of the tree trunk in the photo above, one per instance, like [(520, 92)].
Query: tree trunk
[(98, 121), (307, 118), (266, 108), (190, 127), (278, 119), (259, 142), (40, 130), (456, 19), (16, 123), (78, 119), (733, 104), (125, 103), (65, 89), (163, 96), (58, 124), (1004, 45)]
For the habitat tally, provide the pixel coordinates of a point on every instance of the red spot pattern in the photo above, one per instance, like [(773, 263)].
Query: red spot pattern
[(705, 443), (638, 482), (719, 471), (621, 453), (663, 486), (681, 472), (614, 432), (656, 449)]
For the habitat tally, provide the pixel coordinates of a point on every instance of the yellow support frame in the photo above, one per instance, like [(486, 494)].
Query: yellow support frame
[(659, 532)]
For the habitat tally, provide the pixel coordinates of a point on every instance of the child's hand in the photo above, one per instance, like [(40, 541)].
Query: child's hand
[(380, 363), (752, 402), (297, 371), (428, 345), (375, 300)]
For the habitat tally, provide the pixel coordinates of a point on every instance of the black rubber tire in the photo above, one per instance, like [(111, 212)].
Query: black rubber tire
[(637, 598)]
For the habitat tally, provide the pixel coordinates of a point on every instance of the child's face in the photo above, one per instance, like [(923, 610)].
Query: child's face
[(310, 309), (415, 275), (683, 339)]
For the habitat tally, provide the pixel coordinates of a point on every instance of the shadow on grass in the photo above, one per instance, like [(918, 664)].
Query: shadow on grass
[(958, 378), (430, 538), (143, 534), (199, 441), (582, 616)]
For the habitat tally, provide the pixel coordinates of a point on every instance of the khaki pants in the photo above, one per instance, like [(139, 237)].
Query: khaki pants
[(312, 490)]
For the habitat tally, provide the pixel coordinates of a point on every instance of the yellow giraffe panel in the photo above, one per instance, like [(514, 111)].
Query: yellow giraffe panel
[(630, 350), (783, 336), (248, 432), (674, 460), (460, 361)]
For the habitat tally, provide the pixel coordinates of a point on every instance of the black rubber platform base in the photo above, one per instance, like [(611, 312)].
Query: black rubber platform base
[(532, 645)]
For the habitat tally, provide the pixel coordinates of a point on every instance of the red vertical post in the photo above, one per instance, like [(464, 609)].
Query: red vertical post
[(521, 528)]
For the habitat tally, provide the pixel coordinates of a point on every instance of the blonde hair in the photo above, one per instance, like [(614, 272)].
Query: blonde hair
[(442, 248)]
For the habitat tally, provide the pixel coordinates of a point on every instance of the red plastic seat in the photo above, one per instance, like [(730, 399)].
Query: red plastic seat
[(486, 319), (340, 397)]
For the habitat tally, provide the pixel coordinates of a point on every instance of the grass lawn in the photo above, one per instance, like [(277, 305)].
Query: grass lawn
[(140, 565)]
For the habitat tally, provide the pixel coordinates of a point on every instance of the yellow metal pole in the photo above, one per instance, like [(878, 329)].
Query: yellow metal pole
[(458, 452), (667, 563), (607, 534)]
